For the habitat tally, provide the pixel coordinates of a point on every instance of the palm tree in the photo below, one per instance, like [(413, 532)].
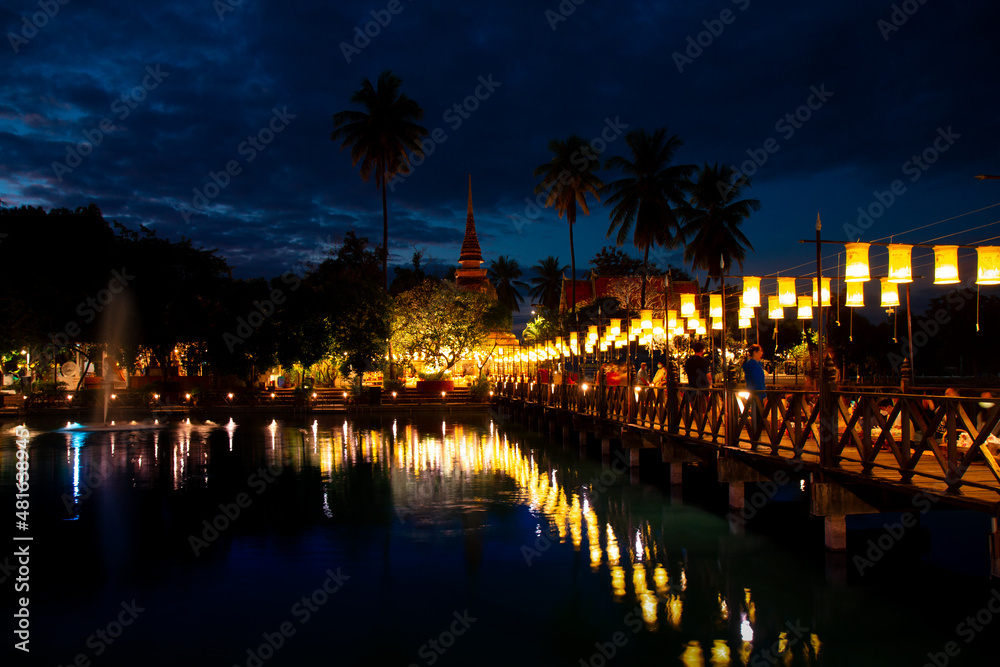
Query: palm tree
[(644, 197), (712, 219), (566, 180), (504, 273), (380, 137), (547, 282)]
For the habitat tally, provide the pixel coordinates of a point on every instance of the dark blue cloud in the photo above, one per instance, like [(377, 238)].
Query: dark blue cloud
[(299, 194)]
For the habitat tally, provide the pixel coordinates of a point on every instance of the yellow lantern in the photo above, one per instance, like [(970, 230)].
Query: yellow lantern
[(715, 305), (636, 326), (786, 291), (890, 293), (751, 291), (855, 295), (680, 331), (558, 342), (620, 343), (900, 270), (856, 270), (589, 349), (805, 307), (671, 319), (746, 313), (716, 324), (701, 331), (989, 265), (693, 323), (945, 264), (592, 333), (687, 305), (744, 323), (604, 346), (658, 327), (826, 291), (616, 326), (646, 319), (774, 309), (573, 338)]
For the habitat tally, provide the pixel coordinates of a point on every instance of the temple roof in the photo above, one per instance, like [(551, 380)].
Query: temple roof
[(470, 246)]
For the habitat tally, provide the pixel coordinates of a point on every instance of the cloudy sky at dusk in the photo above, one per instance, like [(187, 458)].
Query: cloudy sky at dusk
[(845, 95)]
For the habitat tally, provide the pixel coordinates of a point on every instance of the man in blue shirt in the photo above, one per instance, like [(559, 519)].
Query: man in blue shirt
[(753, 370)]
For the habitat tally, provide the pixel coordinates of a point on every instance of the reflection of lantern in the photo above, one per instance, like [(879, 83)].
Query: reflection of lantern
[(890, 293), (855, 295), (592, 333), (646, 319), (945, 264), (751, 291), (899, 263), (658, 327), (744, 323), (687, 305), (715, 305), (716, 324), (856, 270), (786, 291), (671, 319), (616, 326), (989, 265), (826, 292), (805, 307), (774, 309)]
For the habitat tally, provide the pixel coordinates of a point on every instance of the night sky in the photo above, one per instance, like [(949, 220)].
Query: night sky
[(845, 95)]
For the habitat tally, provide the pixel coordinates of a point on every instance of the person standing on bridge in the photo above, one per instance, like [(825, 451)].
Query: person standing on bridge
[(753, 370)]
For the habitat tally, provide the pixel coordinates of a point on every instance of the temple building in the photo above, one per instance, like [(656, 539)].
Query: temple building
[(470, 275)]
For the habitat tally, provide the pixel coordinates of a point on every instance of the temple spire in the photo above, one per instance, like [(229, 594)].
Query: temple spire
[(471, 255)]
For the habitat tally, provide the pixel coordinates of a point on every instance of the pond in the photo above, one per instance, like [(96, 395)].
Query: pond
[(434, 539)]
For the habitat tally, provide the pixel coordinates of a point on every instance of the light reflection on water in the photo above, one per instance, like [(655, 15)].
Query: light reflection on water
[(431, 474)]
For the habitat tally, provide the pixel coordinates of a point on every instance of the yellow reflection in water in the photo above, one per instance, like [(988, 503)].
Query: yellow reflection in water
[(720, 653), (692, 655)]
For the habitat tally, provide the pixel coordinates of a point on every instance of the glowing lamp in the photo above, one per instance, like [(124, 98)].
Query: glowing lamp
[(687, 305), (744, 323), (616, 326), (671, 319), (774, 309), (989, 265), (746, 312), (786, 291), (592, 332), (680, 331), (646, 319), (693, 323), (805, 308), (658, 327), (945, 264), (826, 292), (620, 343), (900, 270), (636, 326), (855, 295), (890, 293), (701, 331), (856, 270), (715, 305), (716, 324), (573, 338), (751, 291)]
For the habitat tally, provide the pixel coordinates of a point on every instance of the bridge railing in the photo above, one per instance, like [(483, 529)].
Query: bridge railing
[(899, 435)]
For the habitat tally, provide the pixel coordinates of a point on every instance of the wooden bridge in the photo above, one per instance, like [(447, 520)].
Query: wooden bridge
[(864, 451)]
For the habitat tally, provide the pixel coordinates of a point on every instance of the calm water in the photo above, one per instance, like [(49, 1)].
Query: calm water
[(434, 540)]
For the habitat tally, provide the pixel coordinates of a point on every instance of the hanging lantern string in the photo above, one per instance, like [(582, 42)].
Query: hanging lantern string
[(915, 229)]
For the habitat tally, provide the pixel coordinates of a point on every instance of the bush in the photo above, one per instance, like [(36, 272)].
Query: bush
[(436, 375), (479, 388), (395, 385)]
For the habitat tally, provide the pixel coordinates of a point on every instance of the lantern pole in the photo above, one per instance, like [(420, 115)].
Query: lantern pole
[(821, 350), (909, 330)]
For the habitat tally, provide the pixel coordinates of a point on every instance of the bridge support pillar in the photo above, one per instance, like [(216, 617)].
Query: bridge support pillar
[(676, 473), (605, 446), (835, 532), (583, 439), (736, 500), (994, 549), (565, 431), (633, 457)]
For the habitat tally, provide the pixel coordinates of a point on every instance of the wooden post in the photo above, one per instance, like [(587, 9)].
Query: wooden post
[(673, 408)]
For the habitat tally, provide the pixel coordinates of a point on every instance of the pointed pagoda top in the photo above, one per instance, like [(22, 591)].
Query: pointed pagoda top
[(471, 253)]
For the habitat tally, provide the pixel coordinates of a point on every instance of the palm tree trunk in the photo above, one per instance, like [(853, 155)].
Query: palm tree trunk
[(571, 216), (645, 277), (385, 238)]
